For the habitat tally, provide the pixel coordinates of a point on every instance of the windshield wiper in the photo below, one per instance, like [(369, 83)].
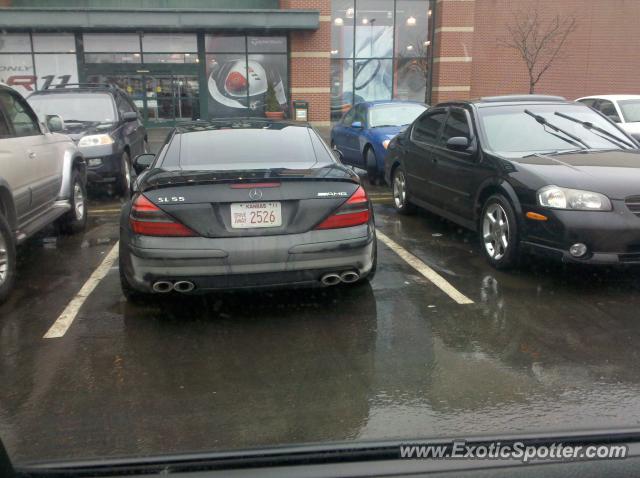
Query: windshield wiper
[(384, 125), (556, 152), (590, 126), (542, 120)]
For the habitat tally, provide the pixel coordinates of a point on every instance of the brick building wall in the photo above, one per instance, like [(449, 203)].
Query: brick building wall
[(310, 68), (601, 56)]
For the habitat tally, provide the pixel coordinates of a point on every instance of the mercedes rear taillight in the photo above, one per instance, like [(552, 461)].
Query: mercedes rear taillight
[(148, 219), (355, 211)]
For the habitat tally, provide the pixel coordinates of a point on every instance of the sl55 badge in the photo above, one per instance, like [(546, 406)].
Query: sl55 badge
[(165, 199), (332, 194)]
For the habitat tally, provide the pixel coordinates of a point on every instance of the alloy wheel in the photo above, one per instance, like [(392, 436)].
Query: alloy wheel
[(495, 231), (78, 201), (399, 190), (4, 261)]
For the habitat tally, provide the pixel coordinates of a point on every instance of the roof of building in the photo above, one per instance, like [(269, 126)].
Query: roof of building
[(35, 18)]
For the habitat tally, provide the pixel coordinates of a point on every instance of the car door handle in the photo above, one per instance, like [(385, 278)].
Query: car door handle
[(32, 155), (434, 159)]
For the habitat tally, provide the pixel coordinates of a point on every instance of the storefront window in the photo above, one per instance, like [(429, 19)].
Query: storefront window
[(55, 69), (243, 82), (170, 58), (169, 43), (392, 51), (411, 78), (111, 42), (15, 43), (341, 88), (342, 21), (112, 58), (225, 44), (267, 44), (374, 29), (373, 79), (54, 42), (52, 55)]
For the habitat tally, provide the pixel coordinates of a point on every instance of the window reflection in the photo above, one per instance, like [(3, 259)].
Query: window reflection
[(380, 49), (342, 20), (372, 79), (374, 28)]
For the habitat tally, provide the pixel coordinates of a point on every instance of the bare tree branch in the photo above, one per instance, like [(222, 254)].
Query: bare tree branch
[(537, 42)]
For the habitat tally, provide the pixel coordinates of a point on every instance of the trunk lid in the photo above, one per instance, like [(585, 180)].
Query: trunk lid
[(202, 200)]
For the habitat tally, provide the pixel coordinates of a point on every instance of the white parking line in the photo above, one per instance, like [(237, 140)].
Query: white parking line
[(431, 275), (64, 321)]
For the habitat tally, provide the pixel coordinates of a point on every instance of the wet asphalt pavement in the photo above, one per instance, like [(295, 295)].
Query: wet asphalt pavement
[(548, 347)]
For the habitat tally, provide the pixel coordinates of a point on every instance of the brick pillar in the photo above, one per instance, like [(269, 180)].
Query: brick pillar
[(310, 68), (453, 46)]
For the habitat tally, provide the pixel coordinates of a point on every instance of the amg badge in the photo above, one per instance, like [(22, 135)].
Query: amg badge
[(333, 194)]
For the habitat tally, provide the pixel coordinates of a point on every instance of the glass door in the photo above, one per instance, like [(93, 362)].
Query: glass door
[(171, 98)]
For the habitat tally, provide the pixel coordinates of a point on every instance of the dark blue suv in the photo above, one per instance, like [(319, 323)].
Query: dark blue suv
[(104, 122)]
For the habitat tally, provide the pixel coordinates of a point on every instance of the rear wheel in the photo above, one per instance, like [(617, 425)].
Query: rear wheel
[(124, 180), (400, 193), (499, 233), (372, 167), (75, 220), (7, 259)]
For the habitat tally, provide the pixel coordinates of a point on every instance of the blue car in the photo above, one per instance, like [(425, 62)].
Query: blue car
[(362, 135)]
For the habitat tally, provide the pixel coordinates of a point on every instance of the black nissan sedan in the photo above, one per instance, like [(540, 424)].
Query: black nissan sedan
[(529, 173)]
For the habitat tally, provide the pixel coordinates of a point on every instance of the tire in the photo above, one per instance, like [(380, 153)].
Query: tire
[(400, 193), (372, 166), (124, 179), (131, 294), (498, 231), (75, 220), (7, 259)]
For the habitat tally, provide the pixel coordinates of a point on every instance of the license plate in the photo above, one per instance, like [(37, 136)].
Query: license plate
[(245, 215)]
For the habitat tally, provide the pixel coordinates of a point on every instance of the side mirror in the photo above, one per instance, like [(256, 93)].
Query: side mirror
[(142, 162), (129, 116), (356, 124), (458, 143), (54, 123)]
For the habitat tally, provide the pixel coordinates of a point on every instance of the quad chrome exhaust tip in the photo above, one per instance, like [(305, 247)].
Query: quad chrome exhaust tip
[(334, 278), (184, 286), (349, 277), (330, 279), (162, 286)]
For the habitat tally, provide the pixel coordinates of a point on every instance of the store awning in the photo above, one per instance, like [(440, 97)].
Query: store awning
[(160, 19)]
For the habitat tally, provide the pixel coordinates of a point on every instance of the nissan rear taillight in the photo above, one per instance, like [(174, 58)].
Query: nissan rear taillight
[(355, 211), (148, 219)]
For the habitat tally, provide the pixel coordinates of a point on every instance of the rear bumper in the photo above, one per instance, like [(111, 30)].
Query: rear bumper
[(250, 262)]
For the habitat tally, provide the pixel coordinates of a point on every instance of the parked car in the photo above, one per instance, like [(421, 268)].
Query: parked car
[(105, 124), (42, 180), (621, 109), (528, 173), (244, 204), (362, 135)]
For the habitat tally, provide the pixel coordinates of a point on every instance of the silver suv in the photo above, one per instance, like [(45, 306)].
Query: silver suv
[(42, 180)]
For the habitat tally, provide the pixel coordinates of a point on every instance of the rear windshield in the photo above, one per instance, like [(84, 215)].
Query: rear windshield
[(75, 107), (245, 148)]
